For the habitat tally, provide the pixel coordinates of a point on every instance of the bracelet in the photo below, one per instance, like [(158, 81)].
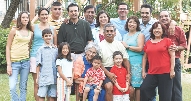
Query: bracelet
[(127, 47)]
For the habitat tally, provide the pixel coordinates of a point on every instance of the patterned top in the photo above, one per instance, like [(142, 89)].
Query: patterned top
[(55, 23), (46, 57), (20, 47), (96, 74)]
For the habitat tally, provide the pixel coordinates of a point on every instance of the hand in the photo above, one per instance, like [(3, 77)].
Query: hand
[(172, 74), (124, 44), (172, 47), (9, 70), (112, 77), (128, 77), (98, 88), (66, 20), (143, 74), (69, 83), (126, 89)]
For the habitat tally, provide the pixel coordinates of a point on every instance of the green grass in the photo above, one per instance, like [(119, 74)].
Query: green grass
[(5, 96)]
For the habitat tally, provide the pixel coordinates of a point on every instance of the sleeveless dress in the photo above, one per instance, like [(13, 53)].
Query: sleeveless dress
[(135, 59)]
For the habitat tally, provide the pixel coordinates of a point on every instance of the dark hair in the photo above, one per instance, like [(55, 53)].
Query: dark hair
[(41, 9), (122, 3), (135, 18), (46, 31), (155, 25), (72, 5), (147, 6), (88, 7), (56, 3), (117, 53), (60, 55), (96, 57), (97, 17), (19, 24)]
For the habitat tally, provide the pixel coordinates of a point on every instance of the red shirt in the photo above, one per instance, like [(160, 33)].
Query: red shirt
[(101, 37), (121, 79), (158, 56), (97, 74), (179, 39)]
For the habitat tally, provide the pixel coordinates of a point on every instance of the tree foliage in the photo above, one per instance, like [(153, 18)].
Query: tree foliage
[(10, 13)]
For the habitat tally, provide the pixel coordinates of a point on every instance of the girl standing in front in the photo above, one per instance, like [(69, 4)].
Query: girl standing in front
[(17, 56), (65, 72)]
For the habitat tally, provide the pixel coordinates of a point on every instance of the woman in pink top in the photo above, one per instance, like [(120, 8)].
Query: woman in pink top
[(161, 65)]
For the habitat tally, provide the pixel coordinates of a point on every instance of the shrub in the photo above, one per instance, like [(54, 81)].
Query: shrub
[(3, 41)]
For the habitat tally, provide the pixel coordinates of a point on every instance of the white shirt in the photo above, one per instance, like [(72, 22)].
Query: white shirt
[(66, 66)]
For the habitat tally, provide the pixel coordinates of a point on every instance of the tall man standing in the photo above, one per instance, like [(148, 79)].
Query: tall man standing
[(55, 19), (89, 14), (177, 36), (77, 32), (120, 22)]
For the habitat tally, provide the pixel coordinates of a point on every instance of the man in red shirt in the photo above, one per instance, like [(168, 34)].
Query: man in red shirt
[(177, 35)]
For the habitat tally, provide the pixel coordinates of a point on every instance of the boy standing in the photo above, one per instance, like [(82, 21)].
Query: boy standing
[(98, 76), (46, 67)]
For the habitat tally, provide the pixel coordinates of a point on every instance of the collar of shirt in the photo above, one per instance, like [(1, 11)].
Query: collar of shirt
[(150, 22), (71, 23), (52, 20), (48, 46)]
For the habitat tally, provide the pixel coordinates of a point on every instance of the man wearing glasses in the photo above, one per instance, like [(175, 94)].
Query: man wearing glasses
[(120, 22)]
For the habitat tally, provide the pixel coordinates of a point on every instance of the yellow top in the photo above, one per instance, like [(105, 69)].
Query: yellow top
[(20, 47), (55, 23)]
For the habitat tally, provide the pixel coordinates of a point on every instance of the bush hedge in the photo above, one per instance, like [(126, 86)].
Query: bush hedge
[(3, 40)]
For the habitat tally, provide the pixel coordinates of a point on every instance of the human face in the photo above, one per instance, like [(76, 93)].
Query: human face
[(24, 19), (90, 53), (73, 12), (47, 38), (96, 64), (109, 34), (89, 15), (145, 15), (65, 50), (132, 25), (122, 11), (103, 19), (164, 17), (158, 31), (43, 17), (118, 60), (56, 11)]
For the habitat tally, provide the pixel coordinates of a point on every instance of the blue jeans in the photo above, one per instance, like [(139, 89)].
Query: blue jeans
[(23, 68)]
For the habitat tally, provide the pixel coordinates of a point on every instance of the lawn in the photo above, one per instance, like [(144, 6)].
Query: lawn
[(4, 94)]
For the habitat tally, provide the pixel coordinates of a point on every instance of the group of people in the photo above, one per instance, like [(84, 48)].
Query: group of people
[(113, 59)]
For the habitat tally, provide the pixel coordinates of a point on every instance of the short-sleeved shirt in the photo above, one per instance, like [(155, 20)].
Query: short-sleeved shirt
[(46, 57), (96, 35), (97, 74), (120, 25), (145, 28), (107, 49), (77, 35), (179, 39), (37, 40), (158, 57), (121, 79), (66, 66)]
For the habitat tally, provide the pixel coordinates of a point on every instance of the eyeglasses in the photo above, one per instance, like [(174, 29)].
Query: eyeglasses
[(109, 31), (93, 53), (122, 9), (57, 9)]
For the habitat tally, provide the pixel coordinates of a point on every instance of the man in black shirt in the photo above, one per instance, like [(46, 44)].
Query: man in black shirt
[(77, 32)]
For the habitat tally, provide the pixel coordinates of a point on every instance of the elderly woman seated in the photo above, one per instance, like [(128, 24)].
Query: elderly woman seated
[(81, 65)]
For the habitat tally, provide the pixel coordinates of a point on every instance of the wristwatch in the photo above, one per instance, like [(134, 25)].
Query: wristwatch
[(127, 47)]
